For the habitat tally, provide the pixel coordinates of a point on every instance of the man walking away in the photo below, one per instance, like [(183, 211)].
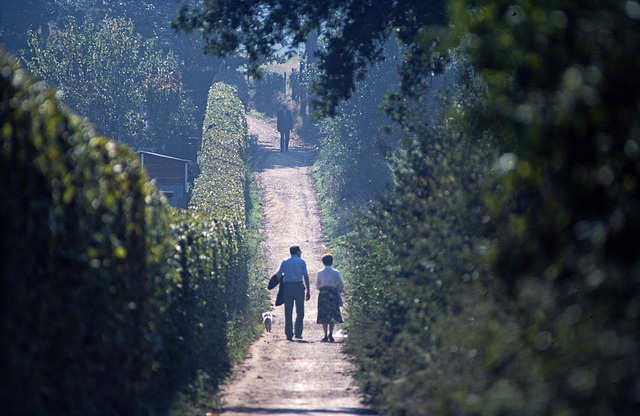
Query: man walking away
[(291, 274), (285, 124)]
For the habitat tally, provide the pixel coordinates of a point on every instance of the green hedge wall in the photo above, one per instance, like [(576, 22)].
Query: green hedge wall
[(219, 190), (84, 267), (111, 302), (197, 318)]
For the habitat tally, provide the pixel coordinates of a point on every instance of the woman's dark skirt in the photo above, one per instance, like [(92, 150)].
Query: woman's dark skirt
[(329, 306)]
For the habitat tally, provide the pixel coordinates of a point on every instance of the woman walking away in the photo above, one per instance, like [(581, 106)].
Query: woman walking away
[(329, 283)]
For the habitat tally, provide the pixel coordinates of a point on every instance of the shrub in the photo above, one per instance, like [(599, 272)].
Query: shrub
[(111, 301), (127, 86), (513, 227), (267, 93), (84, 264), (219, 190), (566, 220), (196, 317), (212, 312), (417, 278), (351, 169)]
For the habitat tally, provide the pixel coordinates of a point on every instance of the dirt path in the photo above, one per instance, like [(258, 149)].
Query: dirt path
[(281, 377)]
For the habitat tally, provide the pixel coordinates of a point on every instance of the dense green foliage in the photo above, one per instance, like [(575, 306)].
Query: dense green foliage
[(351, 169), (566, 222), (355, 32), (210, 307), (219, 190), (217, 305), (222, 274), (112, 302), (501, 276), (150, 19), (129, 88), (268, 93), (417, 278), (84, 265)]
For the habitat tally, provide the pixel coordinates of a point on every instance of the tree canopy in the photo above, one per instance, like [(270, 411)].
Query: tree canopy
[(353, 33), (128, 87)]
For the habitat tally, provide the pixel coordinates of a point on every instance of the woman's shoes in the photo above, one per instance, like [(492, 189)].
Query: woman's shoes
[(331, 338), (328, 339)]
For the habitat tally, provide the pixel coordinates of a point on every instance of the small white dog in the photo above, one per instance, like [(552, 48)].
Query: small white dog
[(266, 319)]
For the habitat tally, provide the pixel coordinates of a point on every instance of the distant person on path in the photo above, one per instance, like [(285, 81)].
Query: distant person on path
[(291, 273), (330, 285), (285, 124)]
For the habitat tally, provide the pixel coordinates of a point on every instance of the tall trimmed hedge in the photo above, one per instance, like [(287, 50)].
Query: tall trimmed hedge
[(197, 310), (84, 267), (219, 190), (111, 302)]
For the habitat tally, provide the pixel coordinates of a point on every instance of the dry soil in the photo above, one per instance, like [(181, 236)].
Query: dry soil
[(307, 376)]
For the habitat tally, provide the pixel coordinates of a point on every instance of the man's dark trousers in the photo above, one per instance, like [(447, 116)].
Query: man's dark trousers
[(293, 292), (284, 141)]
